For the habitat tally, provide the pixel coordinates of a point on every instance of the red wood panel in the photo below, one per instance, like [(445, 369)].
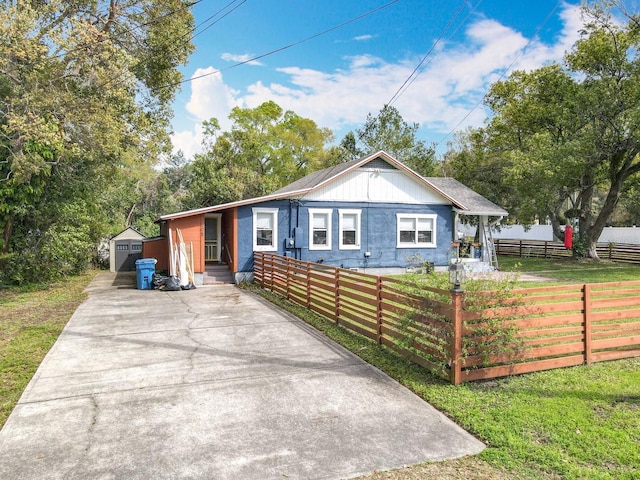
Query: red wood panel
[(520, 368), (356, 297), (616, 342), (615, 315), (530, 323), (357, 327), (619, 302), (622, 328), (615, 355), (527, 354)]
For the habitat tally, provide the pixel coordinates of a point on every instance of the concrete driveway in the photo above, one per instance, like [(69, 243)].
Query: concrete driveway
[(212, 383)]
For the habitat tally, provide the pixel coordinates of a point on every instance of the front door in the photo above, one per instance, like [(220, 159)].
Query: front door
[(212, 238)]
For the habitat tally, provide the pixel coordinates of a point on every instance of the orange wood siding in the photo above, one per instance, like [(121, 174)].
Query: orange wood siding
[(157, 248), (192, 229), (230, 233)]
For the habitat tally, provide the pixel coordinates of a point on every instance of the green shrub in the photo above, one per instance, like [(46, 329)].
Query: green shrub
[(59, 252)]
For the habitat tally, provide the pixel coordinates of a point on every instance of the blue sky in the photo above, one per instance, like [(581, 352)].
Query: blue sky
[(337, 78)]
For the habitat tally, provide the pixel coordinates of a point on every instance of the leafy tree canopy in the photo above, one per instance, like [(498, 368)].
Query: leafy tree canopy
[(266, 149), (565, 137), (85, 93), (388, 131)]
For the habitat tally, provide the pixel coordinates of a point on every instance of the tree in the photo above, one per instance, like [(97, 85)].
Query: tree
[(472, 161), (266, 149), (389, 132), (565, 135), (84, 87)]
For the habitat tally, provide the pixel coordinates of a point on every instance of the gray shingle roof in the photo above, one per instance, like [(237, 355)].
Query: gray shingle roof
[(461, 196), (316, 178), (471, 201)]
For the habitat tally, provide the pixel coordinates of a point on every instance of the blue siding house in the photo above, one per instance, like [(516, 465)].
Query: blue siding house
[(373, 214)]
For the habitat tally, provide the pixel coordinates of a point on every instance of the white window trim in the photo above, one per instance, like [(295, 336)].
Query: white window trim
[(341, 213), (320, 211), (416, 216), (265, 248)]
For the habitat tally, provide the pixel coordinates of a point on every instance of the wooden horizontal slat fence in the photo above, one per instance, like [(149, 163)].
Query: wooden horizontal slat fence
[(618, 252), (465, 339)]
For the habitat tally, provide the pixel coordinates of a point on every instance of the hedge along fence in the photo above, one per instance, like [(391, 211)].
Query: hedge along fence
[(462, 337), (616, 252)]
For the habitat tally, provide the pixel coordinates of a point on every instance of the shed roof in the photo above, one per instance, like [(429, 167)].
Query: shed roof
[(128, 229)]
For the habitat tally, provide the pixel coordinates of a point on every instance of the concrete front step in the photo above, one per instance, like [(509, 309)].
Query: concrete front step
[(217, 274)]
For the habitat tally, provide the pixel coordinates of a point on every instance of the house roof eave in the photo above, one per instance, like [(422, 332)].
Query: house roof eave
[(223, 206), (478, 213)]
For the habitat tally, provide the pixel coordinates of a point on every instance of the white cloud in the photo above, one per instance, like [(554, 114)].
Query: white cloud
[(244, 59), (364, 38), (446, 95), (190, 142), (210, 96)]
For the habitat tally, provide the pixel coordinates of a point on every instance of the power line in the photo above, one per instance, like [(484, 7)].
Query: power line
[(473, 9), (189, 34), (127, 31), (416, 72), (286, 47), (419, 68), (502, 75), (216, 14)]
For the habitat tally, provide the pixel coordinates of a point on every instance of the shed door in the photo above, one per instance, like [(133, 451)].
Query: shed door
[(127, 252)]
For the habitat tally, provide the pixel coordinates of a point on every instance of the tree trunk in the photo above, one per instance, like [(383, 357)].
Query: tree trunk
[(127, 222), (593, 230), (558, 220), (585, 221)]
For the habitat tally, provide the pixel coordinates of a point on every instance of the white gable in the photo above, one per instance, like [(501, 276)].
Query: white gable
[(382, 185), (129, 234)]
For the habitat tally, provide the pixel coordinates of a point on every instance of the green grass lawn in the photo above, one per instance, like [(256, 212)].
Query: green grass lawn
[(571, 271), (30, 322)]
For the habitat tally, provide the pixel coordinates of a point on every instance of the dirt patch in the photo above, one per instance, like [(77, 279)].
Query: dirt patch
[(467, 468)]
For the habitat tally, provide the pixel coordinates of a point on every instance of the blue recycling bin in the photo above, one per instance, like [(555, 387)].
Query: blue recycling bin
[(145, 268)]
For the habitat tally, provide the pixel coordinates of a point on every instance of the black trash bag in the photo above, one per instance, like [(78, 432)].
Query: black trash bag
[(172, 284), (158, 280)]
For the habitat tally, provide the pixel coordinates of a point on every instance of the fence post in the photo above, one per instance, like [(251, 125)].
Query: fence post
[(456, 337), (586, 289), (257, 260), (379, 309), (520, 250), (272, 271), (336, 295), (288, 273), (266, 268), (309, 285)]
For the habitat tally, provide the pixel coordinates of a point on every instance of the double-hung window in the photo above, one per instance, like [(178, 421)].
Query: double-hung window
[(265, 229), (320, 229), (349, 229), (416, 230)]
